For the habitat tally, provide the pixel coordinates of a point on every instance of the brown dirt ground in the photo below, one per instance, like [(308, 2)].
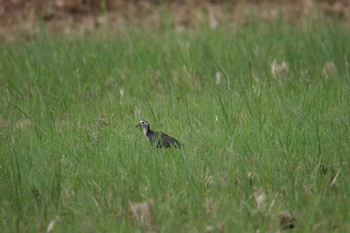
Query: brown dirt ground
[(24, 17)]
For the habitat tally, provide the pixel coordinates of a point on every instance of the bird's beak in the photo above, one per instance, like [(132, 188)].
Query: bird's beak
[(138, 125)]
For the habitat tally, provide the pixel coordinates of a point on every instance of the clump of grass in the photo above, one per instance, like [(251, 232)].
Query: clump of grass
[(257, 142)]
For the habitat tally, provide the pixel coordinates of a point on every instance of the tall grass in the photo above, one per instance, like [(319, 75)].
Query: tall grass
[(71, 160)]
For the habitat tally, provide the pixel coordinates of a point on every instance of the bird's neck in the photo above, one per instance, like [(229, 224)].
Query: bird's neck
[(147, 131)]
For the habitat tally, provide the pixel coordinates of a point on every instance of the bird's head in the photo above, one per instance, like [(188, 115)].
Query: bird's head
[(144, 124)]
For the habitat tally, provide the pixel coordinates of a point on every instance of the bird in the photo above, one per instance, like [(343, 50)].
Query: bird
[(158, 139)]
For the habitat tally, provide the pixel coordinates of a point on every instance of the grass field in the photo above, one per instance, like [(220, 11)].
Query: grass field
[(263, 111)]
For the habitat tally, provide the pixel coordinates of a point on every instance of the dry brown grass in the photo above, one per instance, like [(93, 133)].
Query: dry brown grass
[(84, 16)]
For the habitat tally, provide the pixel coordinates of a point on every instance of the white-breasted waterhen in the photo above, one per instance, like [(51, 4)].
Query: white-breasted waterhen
[(158, 139)]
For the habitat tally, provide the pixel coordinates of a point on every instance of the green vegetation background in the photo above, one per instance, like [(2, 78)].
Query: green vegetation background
[(263, 111)]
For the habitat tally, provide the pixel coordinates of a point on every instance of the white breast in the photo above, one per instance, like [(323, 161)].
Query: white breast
[(145, 131)]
